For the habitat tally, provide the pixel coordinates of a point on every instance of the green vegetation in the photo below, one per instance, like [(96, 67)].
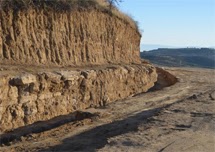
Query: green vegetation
[(187, 57)]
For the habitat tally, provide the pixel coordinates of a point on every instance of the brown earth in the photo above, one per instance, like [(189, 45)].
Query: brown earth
[(47, 37), (176, 118), (55, 63), (48, 58), (27, 97)]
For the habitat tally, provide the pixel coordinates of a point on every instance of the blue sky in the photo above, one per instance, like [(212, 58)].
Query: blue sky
[(180, 23)]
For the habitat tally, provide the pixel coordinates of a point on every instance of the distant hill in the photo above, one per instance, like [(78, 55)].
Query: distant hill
[(148, 47), (190, 57)]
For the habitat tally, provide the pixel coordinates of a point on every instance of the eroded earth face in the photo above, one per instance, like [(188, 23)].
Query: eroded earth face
[(176, 118)]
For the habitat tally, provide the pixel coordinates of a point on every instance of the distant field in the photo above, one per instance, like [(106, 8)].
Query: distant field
[(184, 57)]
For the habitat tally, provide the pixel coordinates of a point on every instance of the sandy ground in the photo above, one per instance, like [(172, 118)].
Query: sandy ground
[(177, 118)]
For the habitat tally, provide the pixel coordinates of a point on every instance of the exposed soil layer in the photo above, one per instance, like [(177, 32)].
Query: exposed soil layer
[(27, 97), (47, 37), (165, 79), (175, 118)]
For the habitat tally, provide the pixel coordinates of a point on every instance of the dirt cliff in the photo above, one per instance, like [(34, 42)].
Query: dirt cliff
[(88, 57), (26, 98), (47, 37)]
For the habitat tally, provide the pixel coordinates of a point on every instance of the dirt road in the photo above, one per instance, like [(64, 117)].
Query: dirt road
[(177, 118)]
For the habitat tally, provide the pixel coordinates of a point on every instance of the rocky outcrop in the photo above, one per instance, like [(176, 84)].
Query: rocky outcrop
[(47, 37), (26, 98)]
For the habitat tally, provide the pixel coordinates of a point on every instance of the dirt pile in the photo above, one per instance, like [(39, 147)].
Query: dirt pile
[(165, 79)]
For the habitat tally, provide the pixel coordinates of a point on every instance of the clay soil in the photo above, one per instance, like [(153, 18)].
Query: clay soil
[(176, 118)]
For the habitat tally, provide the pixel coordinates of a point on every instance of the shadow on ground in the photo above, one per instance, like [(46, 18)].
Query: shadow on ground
[(42, 126), (98, 137)]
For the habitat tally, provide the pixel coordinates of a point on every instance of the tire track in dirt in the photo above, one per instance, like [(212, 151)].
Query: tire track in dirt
[(131, 124)]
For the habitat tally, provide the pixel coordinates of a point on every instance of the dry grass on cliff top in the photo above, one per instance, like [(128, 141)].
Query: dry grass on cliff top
[(68, 5)]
